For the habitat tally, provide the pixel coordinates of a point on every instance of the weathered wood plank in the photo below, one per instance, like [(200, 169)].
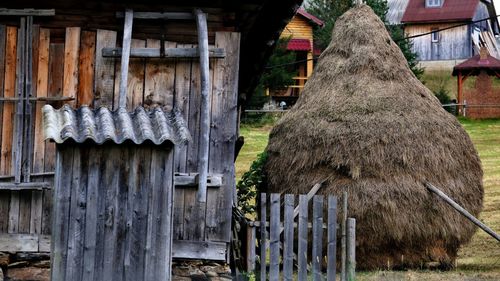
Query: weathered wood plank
[(317, 237), (127, 37), (56, 72), (129, 271), (77, 209), (27, 12), (71, 54), (351, 249), (159, 15), (91, 215), (160, 79), (86, 64), (204, 145), (24, 186), (8, 108), (274, 237), (223, 135), (332, 239), (250, 247), (135, 88), (60, 225), (4, 195), (343, 245), (263, 244), (19, 242), (302, 243), (44, 243), (288, 237), (181, 102), (120, 219), (30, 66), (169, 52), (153, 201), (104, 70), (109, 186), (203, 250)]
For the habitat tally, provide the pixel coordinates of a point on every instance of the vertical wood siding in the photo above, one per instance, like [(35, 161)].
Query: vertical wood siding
[(453, 43), (112, 213), (74, 68)]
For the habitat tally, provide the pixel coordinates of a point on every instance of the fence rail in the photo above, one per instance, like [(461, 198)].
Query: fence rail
[(298, 241)]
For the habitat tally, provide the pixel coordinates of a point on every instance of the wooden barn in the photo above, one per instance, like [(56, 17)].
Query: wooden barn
[(299, 32), (453, 30), (91, 53)]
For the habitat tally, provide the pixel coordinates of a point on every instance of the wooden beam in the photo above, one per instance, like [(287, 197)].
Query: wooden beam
[(157, 15), (24, 186), (127, 39), (169, 53), (461, 210), (199, 250), (201, 23), (186, 180), (27, 12)]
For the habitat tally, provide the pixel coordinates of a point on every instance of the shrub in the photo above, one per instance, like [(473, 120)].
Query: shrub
[(250, 182)]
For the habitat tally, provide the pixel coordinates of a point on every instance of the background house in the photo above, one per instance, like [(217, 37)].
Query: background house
[(462, 37), (299, 32)]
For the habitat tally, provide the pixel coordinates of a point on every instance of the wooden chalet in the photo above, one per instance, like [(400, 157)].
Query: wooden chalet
[(131, 54), (452, 28), (299, 32)]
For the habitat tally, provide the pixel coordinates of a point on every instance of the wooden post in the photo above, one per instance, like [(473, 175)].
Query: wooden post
[(288, 238), (332, 238), (317, 239), (262, 244), (127, 39), (28, 138), (351, 249), (274, 237), (201, 23), (462, 211), (459, 91), (250, 256), (302, 232), (343, 250)]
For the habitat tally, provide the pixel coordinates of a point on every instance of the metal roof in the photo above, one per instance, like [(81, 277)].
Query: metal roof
[(101, 125), (476, 63), (310, 17), (451, 10), (299, 45)]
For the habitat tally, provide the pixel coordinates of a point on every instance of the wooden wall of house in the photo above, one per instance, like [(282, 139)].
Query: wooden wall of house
[(298, 28), (72, 68), (454, 43)]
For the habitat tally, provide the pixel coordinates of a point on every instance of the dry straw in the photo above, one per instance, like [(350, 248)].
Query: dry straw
[(369, 126)]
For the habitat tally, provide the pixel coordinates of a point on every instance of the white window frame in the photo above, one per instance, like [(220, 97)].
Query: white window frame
[(433, 3), (435, 35)]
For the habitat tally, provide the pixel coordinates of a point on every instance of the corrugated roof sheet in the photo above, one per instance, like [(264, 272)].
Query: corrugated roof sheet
[(476, 63), (452, 10), (299, 45), (101, 125)]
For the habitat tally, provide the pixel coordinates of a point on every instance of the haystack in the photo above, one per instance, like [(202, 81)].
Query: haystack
[(370, 127)]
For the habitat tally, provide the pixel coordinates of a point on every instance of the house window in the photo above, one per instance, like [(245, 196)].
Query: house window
[(433, 3), (434, 36)]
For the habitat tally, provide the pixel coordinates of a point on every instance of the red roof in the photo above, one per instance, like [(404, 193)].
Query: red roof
[(452, 10), (299, 45), (310, 17), (476, 63)]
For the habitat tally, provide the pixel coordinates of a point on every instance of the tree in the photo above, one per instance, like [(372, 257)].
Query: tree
[(277, 77), (330, 10)]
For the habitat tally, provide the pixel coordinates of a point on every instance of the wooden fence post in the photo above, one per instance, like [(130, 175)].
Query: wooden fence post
[(343, 251), (332, 238), (351, 249), (274, 238), (262, 243)]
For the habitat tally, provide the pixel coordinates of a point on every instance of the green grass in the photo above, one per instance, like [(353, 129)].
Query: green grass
[(478, 260)]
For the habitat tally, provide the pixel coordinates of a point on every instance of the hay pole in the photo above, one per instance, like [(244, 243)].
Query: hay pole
[(461, 210)]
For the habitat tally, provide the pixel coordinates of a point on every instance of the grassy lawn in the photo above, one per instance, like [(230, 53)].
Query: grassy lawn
[(478, 260)]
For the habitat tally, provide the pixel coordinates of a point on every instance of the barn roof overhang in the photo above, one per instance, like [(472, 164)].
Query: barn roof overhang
[(260, 23)]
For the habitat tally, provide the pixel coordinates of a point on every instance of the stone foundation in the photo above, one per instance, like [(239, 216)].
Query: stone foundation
[(36, 267)]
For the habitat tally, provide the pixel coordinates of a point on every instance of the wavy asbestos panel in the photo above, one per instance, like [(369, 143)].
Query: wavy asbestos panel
[(101, 125)]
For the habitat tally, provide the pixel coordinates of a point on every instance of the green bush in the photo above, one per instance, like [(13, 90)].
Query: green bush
[(250, 182)]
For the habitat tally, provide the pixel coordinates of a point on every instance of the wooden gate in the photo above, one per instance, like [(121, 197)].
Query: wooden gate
[(280, 253)]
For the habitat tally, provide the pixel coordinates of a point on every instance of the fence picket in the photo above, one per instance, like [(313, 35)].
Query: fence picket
[(288, 238), (302, 247), (277, 265), (332, 238), (274, 237), (262, 244), (317, 234)]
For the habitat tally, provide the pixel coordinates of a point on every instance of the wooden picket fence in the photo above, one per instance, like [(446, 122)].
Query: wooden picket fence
[(278, 256)]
